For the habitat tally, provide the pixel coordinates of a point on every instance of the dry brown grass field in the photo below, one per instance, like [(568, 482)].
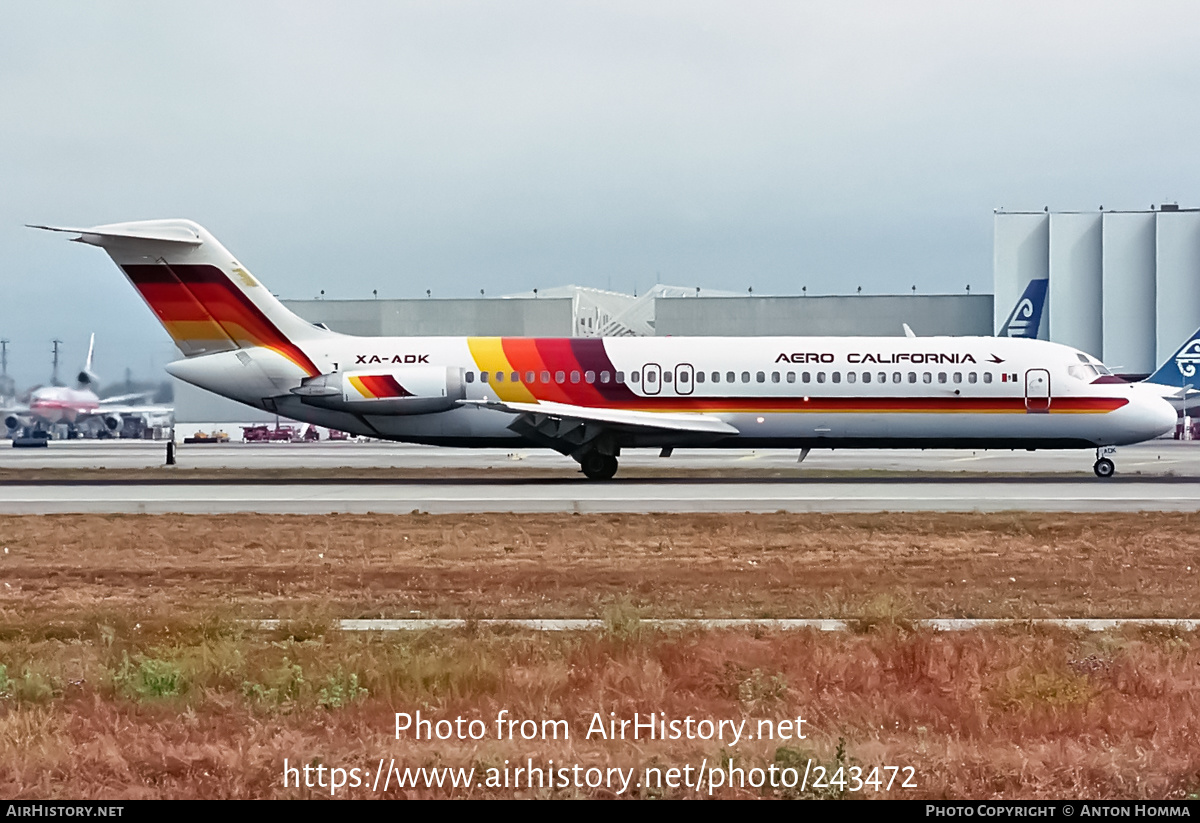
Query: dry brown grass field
[(130, 668)]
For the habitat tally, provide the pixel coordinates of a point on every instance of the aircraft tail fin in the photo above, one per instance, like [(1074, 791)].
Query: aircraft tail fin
[(86, 376), (205, 299), (1026, 317), (1180, 368)]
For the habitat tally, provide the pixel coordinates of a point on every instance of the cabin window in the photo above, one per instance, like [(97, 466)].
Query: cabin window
[(651, 377), (866, 377), (545, 377), (530, 377), (896, 377), (958, 377), (912, 377), (883, 377), (941, 377), (516, 377), (730, 377), (774, 377), (589, 377), (666, 377), (634, 376), (604, 375), (972, 377), (927, 377), (850, 377), (499, 377), (470, 377), (987, 377), (820, 377), (699, 377), (483, 377), (683, 378), (574, 377), (621, 377), (745, 377), (716, 377), (791, 377), (806, 377), (837, 377), (760, 377)]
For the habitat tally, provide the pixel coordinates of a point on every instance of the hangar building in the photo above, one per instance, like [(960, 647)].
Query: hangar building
[(1123, 285)]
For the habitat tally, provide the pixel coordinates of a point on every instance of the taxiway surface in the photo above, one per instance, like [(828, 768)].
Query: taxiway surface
[(1156, 476)]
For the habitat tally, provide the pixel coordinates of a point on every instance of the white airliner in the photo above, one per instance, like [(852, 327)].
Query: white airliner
[(51, 405), (591, 397)]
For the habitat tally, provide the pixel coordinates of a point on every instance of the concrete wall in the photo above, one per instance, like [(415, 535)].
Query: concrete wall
[(1020, 253), (193, 405), (516, 317), (1076, 282), (1178, 280), (872, 315), (1128, 312)]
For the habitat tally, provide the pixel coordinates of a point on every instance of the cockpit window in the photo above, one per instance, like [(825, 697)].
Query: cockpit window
[(1086, 373)]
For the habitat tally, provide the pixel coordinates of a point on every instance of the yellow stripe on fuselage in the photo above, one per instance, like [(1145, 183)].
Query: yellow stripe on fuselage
[(488, 353)]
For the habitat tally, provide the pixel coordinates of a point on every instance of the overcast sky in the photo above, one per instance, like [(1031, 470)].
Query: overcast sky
[(510, 145)]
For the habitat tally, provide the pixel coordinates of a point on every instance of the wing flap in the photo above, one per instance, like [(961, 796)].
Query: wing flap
[(623, 418)]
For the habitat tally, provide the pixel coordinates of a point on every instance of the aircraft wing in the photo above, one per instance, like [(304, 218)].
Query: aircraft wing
[(104, 409), (617, 418)]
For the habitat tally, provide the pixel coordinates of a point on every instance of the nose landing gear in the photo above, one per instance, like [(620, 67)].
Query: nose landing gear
[(1104, 468)]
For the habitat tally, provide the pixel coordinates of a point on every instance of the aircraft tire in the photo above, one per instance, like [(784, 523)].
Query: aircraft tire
[(598, 466), (1104, 468)]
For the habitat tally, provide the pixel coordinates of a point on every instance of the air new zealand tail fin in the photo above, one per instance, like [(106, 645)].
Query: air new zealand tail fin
[(1180, 368), (1026, 317)]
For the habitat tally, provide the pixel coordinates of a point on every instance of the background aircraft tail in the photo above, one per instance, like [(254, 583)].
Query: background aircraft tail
[(86, 376), (1181, 367), (204, 298), (1026, 317)]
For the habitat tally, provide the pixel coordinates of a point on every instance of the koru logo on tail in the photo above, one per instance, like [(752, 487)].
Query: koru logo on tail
[(1021, 318), (1188, 358)]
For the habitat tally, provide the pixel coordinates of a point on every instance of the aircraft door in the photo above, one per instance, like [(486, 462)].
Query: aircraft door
[(684, 378), (1037, 391), (651, 378)]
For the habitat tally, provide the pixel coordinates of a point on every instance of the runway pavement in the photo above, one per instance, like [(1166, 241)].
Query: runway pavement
[(1159, 457), (1158, 476)]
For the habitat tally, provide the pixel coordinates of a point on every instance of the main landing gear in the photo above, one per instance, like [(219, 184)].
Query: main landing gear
[(1104, 468), (597, 466)]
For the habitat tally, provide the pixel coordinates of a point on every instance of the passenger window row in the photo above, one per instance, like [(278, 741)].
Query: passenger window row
[(590, 377)]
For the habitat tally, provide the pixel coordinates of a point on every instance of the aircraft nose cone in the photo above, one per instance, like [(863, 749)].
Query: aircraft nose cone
[(1160, 416)]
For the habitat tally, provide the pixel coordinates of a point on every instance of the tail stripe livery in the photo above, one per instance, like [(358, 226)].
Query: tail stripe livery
[(238, 317), (184, 317)]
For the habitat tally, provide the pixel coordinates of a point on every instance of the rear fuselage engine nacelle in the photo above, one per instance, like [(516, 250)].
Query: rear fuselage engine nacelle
[(402, 390)]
